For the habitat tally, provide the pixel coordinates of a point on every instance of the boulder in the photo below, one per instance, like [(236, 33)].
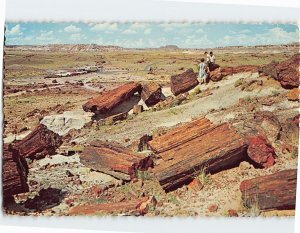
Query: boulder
[(137, 109), (63, 123), (261, 152)]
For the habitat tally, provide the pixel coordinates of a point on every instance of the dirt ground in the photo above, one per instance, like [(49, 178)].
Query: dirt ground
[(29, 97)]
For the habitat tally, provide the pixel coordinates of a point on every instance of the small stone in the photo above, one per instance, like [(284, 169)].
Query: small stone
[(232, 213), (213, 208)]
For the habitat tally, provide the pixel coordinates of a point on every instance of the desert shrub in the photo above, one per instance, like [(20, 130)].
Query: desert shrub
[(239, 82)]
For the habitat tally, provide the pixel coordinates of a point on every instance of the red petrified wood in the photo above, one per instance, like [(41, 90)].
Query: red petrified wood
[(286, 72), (275, 191), (219, 73), (151, 93), (14, 172), (261, 152), (190, 148), (39, 143), (114, 159), (105, 102), (138, 206), (183, 82)]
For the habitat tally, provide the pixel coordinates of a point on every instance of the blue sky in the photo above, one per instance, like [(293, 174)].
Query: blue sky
[(151, 35)]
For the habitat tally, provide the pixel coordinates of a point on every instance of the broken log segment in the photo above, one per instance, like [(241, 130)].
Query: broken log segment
[(151, 93), (188, 149), (114, 159), (270, 192), (14, 173), (183, 82), (38, 143), (138, 206), (105, 102)]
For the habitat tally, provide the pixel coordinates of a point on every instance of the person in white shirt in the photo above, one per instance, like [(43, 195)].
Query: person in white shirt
[(212, 58)]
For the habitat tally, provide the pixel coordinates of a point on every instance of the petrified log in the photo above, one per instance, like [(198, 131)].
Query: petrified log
[(275, 191), (114, 159), (15, 172), (183, 82), (286, 72), (219, 73), (39, 143), (105, 102), (195, 146), (138, 206), (151, 93), (118, 117)]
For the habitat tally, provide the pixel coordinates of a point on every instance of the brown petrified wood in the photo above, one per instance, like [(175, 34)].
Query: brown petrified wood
[(151, 93), (286, 72), (14, 172), (275, 191), (183, 82), (105, 102), (114, 159), (138, 206), (219, 73), (117, 117), (39, 143), (195, 146)]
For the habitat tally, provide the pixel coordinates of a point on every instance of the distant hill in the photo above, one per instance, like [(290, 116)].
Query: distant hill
[(65, 47), (170, 47)]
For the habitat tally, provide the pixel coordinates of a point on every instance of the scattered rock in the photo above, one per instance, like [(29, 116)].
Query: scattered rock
[(293, 95), (232, 213), (261, 152), (195, 185), (137, 109), (213, 208)]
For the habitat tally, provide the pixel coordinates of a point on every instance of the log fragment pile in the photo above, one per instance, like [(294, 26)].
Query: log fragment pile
[(115, 160), (188, 149), (275, 191)]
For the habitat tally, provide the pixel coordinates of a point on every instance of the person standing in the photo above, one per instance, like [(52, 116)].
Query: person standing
[(202, 71)]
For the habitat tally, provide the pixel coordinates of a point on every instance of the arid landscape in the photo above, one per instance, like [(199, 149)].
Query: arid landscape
[(105, 130)]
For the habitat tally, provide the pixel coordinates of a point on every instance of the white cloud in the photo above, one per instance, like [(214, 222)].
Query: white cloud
[(167, 27), (129, 31), (104, 26), (72, 28), (45, 36), (200, 30), (147, 31), (16, 30), (272, 36)]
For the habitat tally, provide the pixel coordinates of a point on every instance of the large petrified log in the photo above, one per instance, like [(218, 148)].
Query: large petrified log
[(38, 143), (138, 206), (219, 73), (286, 72), (183, 82), (275, 191), (105, 102), (14, 173), (195, 146), (151, 93), (114, 159)]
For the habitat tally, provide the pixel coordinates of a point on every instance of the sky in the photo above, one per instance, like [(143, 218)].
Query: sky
[(151, 35)]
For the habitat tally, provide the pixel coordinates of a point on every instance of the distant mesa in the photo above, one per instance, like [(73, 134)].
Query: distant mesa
[(169, 47)]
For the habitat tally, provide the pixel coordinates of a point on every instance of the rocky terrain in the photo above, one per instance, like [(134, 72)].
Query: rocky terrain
[(130, 140)]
